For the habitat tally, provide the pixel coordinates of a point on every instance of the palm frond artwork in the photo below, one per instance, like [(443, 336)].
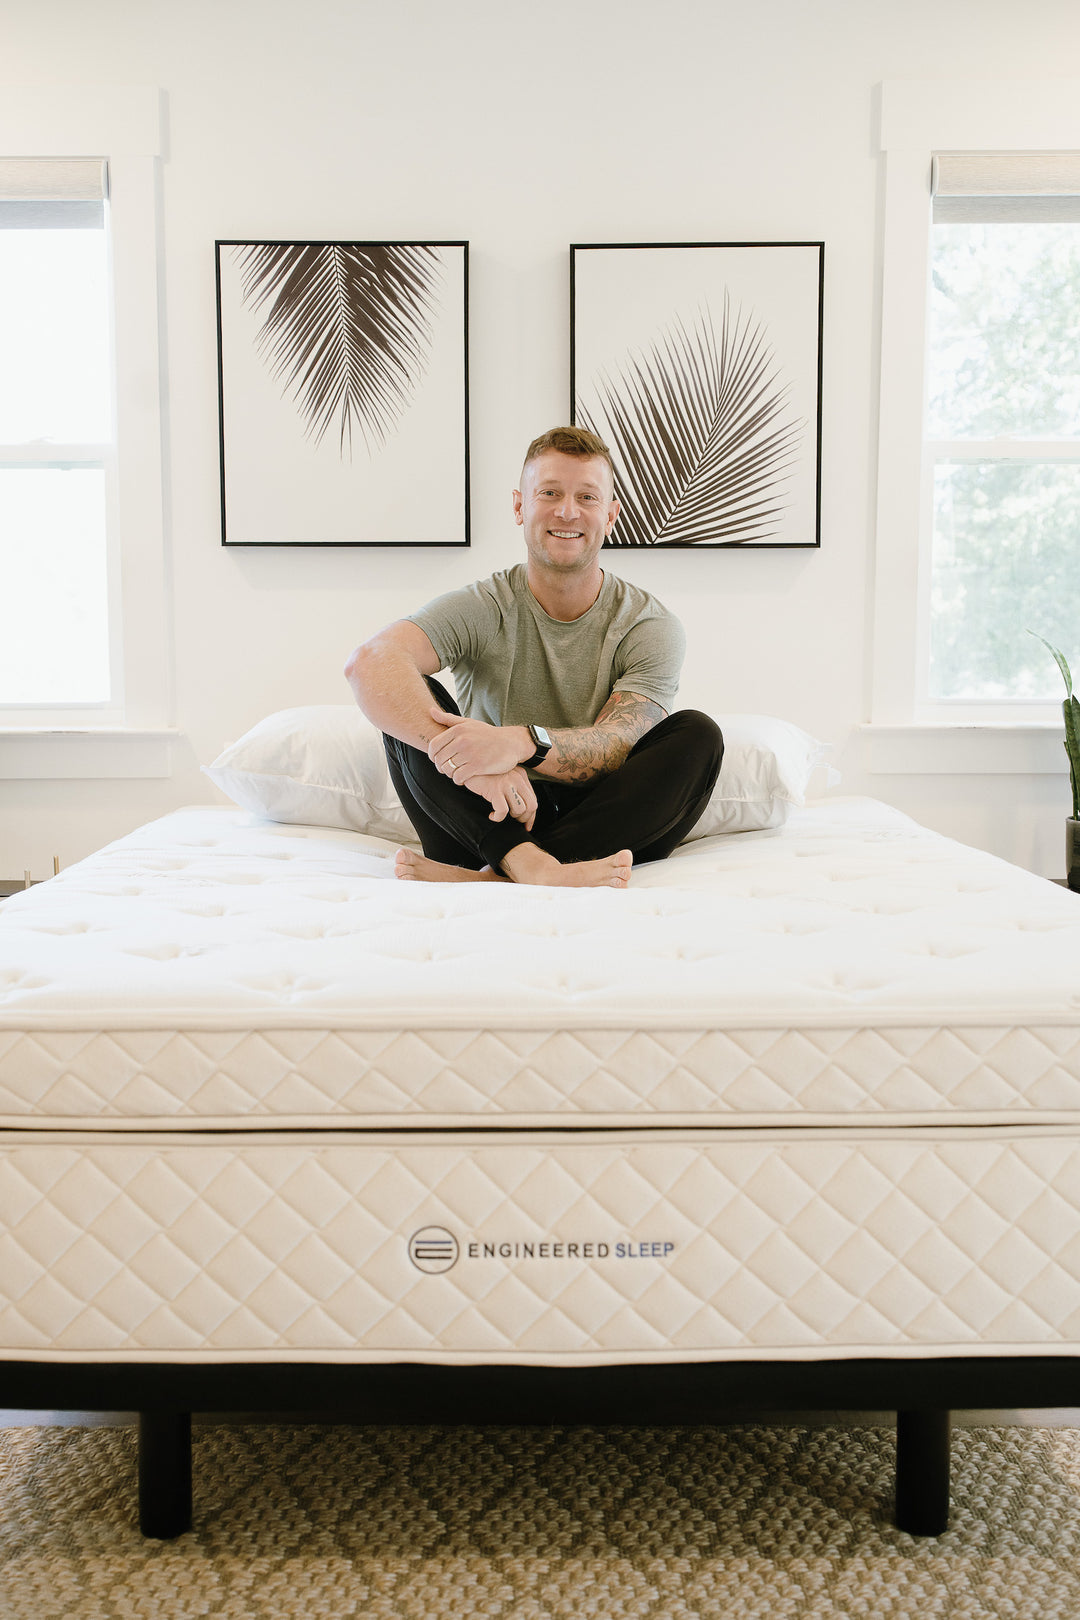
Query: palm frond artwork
[(348, 328), (702, 434)]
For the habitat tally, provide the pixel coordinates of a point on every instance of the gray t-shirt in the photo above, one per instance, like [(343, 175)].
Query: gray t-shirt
[(514, 665)]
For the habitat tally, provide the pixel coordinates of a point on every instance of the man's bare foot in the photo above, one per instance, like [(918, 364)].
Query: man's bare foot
[(528, 863), (416, 868)]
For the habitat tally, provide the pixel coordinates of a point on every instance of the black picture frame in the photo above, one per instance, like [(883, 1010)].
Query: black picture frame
[(700, 364), (343, 392)]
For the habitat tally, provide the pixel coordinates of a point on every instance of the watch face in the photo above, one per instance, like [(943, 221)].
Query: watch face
[(541, 736)]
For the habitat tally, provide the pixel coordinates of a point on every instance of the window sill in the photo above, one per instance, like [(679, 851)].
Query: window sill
[(40, 753), (957, 749)]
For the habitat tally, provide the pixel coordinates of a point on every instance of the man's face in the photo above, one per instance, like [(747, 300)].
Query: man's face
[(567, 508)]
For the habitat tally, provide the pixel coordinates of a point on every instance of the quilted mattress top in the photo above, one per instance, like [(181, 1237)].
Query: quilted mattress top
[(232, 973), (849, 914)]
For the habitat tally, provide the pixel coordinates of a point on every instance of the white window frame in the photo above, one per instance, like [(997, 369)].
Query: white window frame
[(132, 735), (917, 119)]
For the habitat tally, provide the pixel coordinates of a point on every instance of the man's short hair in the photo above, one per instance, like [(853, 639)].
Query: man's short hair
[(570, 441)]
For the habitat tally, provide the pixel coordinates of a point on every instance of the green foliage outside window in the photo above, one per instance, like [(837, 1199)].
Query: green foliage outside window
[(1006, 556), (1004, 360)]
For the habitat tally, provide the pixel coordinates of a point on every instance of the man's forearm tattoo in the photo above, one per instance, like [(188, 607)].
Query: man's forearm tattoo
[(590, 751)]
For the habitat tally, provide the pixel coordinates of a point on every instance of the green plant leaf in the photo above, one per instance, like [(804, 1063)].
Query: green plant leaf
[(1059, 659), (1071, 711)]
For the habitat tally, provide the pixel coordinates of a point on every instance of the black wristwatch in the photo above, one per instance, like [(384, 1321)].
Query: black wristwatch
[(543, 747)]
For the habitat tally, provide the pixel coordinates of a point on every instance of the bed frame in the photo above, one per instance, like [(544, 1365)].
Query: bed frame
[(921, 1392)]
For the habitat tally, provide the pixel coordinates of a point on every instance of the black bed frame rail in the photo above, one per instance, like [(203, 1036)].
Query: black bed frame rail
[(922, 1393)]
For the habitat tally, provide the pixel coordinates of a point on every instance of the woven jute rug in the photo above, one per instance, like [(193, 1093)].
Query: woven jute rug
[(311, 1521)]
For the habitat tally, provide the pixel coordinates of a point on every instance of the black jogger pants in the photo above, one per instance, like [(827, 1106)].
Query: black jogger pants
[(648, 805)]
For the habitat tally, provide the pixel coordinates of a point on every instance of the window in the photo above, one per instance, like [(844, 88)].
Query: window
[(1001, 512), (978, 476), (84, 670), (56, 435)]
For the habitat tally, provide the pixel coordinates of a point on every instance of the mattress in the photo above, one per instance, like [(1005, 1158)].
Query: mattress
[(222, 971), (800, 1094)]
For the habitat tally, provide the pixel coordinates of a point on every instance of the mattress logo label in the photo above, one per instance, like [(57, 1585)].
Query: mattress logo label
[(433, 1249), (557, 1249)]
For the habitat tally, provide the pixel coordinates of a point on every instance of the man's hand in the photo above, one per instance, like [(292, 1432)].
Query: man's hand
[(509, 794), (471, 748)]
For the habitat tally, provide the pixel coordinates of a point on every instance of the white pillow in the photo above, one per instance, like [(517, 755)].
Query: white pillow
[(767, 764), (324, 766)]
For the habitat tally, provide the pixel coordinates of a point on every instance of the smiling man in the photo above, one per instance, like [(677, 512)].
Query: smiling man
[(561, 762)]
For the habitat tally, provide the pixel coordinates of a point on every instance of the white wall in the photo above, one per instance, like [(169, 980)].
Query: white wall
[(522, 128)]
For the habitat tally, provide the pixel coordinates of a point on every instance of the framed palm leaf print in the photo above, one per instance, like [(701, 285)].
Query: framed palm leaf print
[(343, 393), (699, 365)]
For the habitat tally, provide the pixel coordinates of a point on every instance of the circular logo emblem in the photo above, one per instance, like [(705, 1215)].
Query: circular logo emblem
[(433, 1248)]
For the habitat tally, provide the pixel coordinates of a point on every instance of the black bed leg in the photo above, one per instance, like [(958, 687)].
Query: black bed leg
[(922, 1472), (164, 1474)]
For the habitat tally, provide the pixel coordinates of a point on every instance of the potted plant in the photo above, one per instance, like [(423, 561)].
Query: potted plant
[(1071, 710)]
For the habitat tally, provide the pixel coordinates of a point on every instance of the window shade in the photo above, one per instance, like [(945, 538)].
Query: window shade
[(52, 193), (1006, 187), (53, 179)]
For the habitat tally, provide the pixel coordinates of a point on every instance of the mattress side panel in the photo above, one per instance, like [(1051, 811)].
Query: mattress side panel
[(639, 1245), (224, 1079)]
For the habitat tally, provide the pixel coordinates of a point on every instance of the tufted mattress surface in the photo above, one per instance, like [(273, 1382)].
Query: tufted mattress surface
[(228, 972)]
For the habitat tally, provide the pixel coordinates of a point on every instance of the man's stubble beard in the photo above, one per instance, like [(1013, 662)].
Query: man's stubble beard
[(542, 558)]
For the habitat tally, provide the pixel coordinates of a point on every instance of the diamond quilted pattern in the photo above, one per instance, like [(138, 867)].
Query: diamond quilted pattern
[(828, 1244), (304, 1077)]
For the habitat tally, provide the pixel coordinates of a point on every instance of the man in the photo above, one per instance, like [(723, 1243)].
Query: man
[(564, 765)]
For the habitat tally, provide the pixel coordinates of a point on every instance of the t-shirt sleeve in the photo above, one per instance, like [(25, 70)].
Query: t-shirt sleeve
[(460, 624), (649, 660)]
